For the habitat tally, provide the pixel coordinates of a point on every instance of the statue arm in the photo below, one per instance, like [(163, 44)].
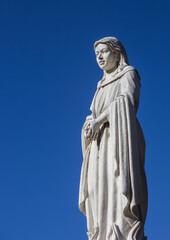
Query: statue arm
[(129, 85)]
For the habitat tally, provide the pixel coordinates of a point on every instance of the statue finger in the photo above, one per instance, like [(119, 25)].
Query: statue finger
[(92, 134), (89, 133), (96, 135)]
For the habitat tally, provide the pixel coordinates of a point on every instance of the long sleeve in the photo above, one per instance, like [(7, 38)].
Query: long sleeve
[(125, 133)]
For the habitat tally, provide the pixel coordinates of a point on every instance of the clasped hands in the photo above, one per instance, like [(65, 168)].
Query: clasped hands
[(92, 130), (92, 127)]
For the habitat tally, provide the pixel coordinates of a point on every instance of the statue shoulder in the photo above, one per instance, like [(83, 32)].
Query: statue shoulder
[(131, 72), (130, 79)]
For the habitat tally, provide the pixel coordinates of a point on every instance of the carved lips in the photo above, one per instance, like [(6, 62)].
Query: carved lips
[(101, 62)]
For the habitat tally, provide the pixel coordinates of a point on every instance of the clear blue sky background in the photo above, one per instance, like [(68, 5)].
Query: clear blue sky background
[(48, 75)]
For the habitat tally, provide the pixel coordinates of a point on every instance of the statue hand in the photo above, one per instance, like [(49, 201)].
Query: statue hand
[(94, 127)]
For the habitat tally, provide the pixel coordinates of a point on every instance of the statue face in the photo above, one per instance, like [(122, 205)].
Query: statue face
[(106, 59)]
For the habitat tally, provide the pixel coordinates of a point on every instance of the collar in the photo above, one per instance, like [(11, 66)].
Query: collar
[(104, 82)]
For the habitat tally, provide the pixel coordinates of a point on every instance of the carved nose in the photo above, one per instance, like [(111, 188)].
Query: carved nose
[(100, 56)]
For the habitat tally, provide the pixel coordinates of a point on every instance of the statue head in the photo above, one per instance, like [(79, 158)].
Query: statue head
[(110, 54)]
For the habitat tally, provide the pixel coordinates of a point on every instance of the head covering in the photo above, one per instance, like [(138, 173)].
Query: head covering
[(115, 46)]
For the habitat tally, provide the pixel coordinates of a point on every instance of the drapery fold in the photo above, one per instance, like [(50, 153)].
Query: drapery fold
[(130, 175)]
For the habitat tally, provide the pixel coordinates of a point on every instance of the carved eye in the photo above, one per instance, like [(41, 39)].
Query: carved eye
[(104, 51)]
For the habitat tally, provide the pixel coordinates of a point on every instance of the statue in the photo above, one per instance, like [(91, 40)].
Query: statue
[(113, 188)]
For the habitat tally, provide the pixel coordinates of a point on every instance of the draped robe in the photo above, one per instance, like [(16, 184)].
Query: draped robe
[(113, 189)]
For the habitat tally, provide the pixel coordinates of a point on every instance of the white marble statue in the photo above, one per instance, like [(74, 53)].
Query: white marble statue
[(113, 189)]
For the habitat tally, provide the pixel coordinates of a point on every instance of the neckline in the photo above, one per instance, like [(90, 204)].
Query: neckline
[(103, 82)]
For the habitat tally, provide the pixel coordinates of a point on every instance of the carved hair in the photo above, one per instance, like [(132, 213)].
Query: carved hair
[(116, 46)]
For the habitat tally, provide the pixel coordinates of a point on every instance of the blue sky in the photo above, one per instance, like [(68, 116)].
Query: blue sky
[(48, 75)]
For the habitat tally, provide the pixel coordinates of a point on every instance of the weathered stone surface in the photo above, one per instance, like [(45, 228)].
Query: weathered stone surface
[(113, 189)]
